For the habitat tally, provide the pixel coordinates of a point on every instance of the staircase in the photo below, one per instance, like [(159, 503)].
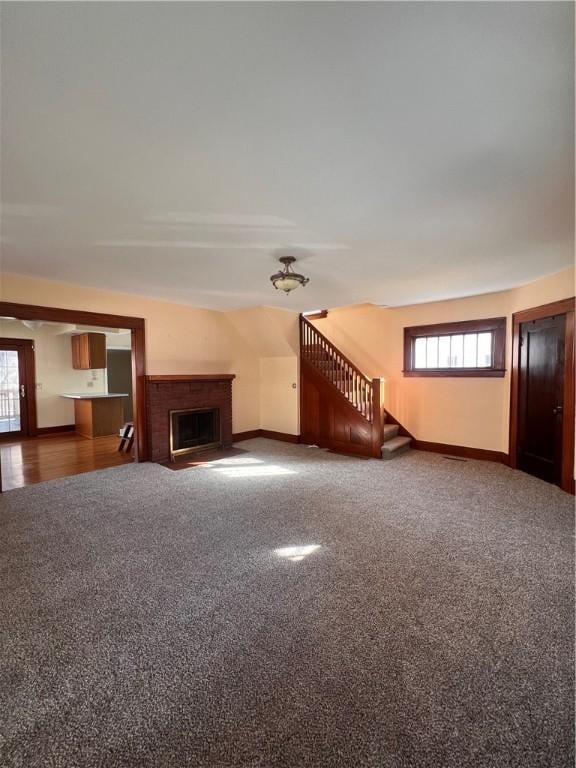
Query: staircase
[(393, 444), (341, 408)]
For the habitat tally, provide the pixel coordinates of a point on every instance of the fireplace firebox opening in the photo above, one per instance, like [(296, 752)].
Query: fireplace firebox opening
[(193, 430)]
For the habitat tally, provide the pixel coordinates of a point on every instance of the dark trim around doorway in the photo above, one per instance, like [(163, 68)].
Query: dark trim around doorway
[(565, 307), (27, 347), (136, 325)]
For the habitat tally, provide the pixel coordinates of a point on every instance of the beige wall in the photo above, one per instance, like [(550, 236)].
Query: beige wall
[(54, 372), (184, 339), (260, 346), (274, 336), (468, 411), (279, 394)]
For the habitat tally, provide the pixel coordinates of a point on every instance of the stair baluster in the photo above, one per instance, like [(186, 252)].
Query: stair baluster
[(340, 372), (362, 394)]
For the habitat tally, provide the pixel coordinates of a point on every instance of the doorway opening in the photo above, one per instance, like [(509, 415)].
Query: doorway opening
[(17, 387), (119, 376), (60, 411), (542, 393)]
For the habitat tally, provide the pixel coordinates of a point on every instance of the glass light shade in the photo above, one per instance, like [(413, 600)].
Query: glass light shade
[(287, 283)]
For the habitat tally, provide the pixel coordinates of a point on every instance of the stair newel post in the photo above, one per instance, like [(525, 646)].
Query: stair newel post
[(376, 420), (371, 405), (368, 402)]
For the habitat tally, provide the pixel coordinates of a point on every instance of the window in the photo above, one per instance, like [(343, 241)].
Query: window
[(470, 348)]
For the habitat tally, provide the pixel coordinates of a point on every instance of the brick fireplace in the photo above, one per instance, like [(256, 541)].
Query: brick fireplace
[(169, 396)]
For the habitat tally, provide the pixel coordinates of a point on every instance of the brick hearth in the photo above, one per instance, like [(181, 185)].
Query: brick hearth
[(172, 393)]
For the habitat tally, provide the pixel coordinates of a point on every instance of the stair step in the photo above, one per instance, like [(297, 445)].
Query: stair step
[(390, 431), (395, 447)]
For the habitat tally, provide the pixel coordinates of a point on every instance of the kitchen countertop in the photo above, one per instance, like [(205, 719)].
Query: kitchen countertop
[(96, 396)]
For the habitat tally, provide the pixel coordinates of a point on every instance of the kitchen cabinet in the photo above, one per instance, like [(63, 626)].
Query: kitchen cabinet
[(98, 415), (89, 351)]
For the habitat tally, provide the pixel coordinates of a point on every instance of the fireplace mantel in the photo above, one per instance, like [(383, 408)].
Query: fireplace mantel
[(194, 377)]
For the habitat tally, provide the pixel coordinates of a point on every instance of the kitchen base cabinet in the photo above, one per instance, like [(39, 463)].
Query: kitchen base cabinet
[(99, 417)]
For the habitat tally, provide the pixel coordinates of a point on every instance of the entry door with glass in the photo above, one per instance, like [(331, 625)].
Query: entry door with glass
[(16, 387)]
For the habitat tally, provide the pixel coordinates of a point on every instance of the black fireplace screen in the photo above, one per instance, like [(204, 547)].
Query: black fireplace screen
[(194, 430)]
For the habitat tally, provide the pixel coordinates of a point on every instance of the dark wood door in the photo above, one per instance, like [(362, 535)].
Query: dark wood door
[(541, 397), (17, 388)]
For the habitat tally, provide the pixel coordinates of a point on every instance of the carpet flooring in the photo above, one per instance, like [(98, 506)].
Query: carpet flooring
[(288, 607)]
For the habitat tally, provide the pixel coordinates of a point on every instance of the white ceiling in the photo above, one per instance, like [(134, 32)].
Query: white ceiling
[(403, 151), (116, 338)]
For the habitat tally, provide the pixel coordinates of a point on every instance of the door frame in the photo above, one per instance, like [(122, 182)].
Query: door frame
[(564, 307), (136, 325), (31, 427)]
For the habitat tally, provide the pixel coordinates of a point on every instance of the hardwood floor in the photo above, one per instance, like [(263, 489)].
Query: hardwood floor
[(25, 462)]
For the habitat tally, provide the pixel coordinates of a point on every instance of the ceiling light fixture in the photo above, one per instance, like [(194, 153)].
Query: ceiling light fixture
[(286, 280)]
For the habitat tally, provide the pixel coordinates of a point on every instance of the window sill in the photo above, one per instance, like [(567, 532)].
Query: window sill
[(458, 373)]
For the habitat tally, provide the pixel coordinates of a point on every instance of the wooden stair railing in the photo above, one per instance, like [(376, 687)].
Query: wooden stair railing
[(363, 393)]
